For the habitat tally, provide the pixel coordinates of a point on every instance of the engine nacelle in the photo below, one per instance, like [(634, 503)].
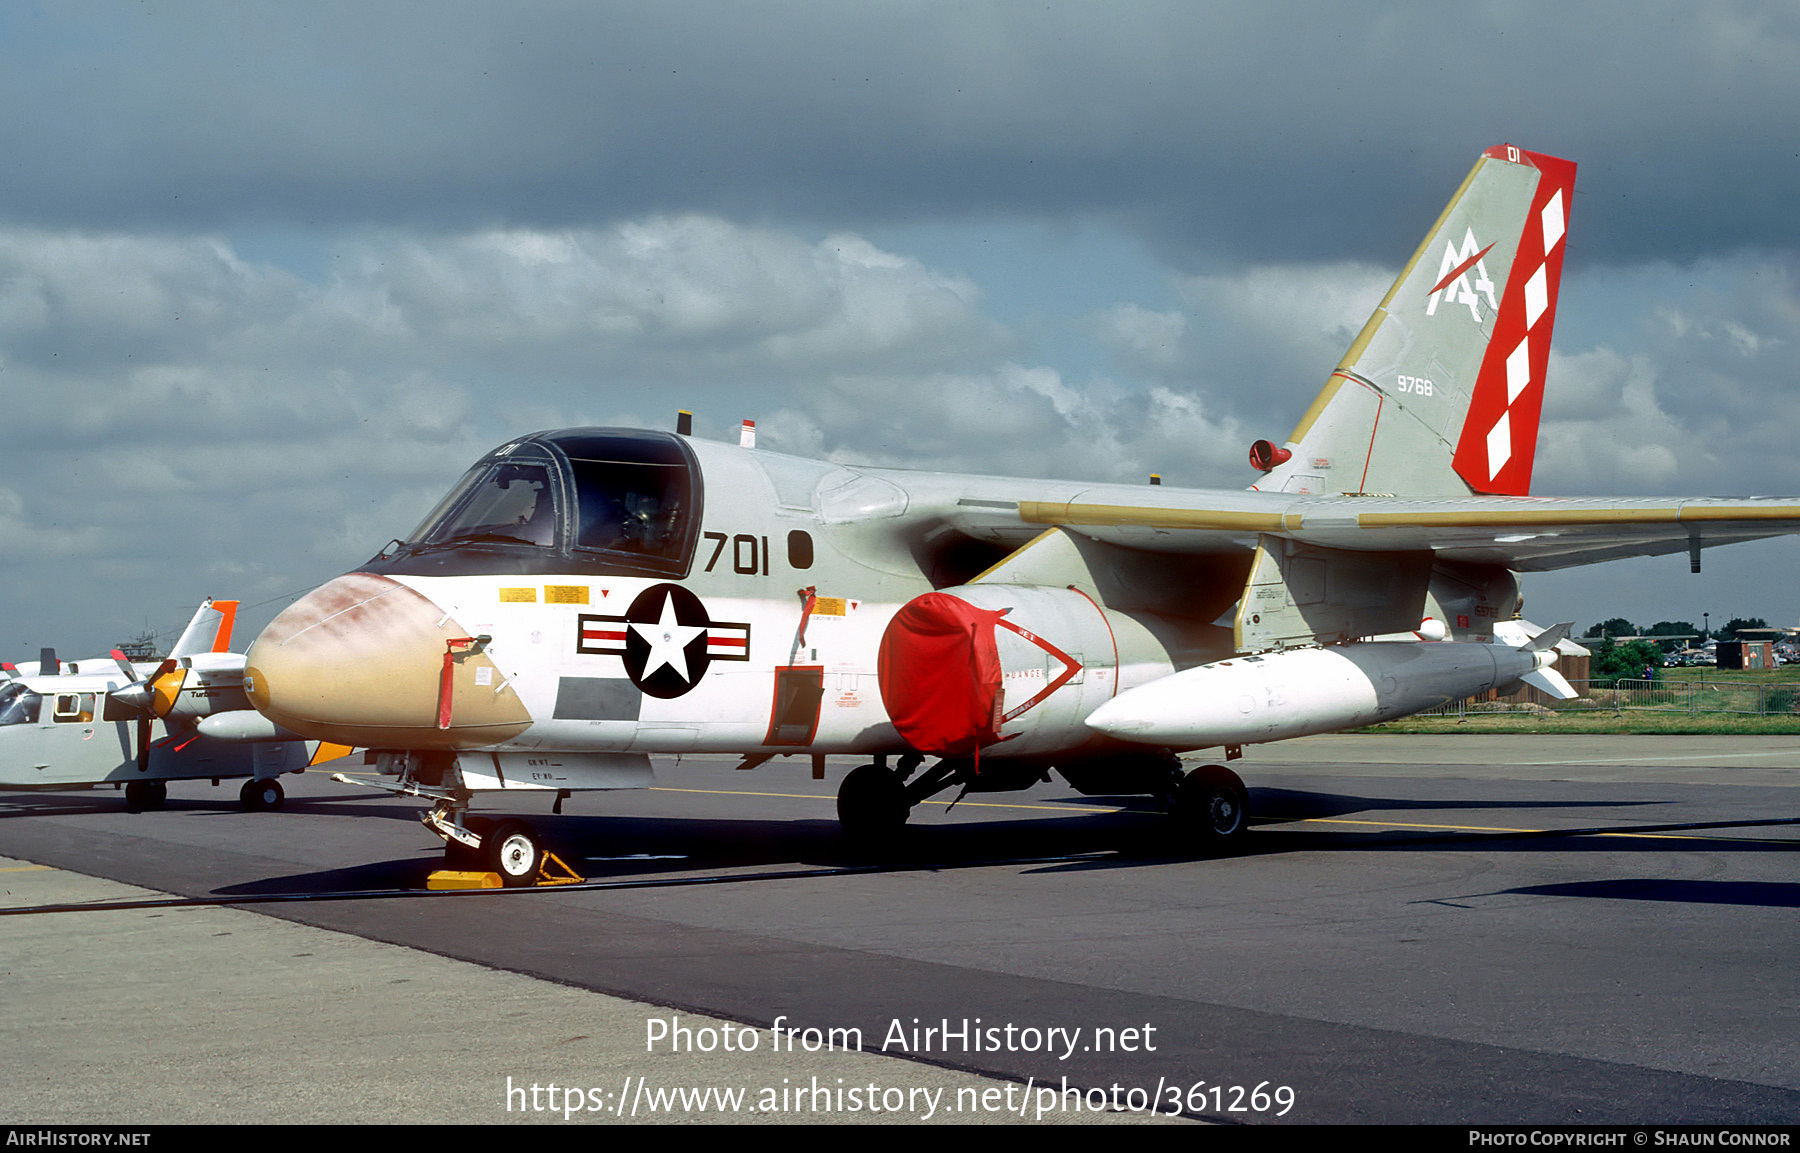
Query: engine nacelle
[(209, 684), (1014, 669)]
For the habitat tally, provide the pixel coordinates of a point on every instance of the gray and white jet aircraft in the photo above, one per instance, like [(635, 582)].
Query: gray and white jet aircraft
[(585, 598)]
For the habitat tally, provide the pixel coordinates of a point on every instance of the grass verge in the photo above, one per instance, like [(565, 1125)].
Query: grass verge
[(1597, 721)]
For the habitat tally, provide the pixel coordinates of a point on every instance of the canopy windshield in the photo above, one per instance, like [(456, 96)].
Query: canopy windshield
[(18, 704), (590, 499)]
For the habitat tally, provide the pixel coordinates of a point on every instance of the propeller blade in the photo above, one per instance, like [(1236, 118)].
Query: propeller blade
[(126, 667), (149, 696), (143, 743)]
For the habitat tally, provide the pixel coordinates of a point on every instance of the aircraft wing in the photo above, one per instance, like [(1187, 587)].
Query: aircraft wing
[(1524, 534), (1538, 534)]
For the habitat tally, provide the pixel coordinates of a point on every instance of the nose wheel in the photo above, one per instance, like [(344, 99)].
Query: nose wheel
[(511, 851), (514, 851)]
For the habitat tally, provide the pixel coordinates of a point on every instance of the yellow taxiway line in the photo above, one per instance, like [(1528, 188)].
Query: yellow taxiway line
[(833, 797)]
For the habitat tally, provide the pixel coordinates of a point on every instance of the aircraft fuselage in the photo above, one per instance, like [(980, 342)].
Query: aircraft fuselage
[(758, 628)]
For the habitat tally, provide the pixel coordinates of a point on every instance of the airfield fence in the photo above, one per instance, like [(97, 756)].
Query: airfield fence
[(1672, 697)]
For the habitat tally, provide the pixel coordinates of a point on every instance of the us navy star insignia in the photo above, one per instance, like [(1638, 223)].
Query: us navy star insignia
[(666, 639)]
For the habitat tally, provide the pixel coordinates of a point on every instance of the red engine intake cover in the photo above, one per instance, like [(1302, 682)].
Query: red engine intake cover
[(1264, 455), (939, 671)]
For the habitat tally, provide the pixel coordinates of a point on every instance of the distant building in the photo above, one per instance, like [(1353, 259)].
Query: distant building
[(1746, 654)]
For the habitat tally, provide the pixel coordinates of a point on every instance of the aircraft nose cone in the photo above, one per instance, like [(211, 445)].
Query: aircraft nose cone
[(359, 661)]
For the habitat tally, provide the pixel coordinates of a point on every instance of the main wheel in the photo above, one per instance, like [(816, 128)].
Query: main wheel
[(871, 803), (1211, 804), (262, 794), (514, 851), (141, 795)]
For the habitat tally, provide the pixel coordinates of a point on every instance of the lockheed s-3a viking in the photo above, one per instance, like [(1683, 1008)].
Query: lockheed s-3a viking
[(586, 598)]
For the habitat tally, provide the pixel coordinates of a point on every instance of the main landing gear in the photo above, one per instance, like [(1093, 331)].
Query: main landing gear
[(263, 794), (874, 800), (1208, 806), (141, 795), (255, 796), (872, 803)]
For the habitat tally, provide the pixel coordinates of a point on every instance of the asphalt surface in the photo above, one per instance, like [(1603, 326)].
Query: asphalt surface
[(1505, 929)]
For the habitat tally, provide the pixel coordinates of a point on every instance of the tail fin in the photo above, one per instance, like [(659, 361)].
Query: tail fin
[(209, 631), (1440, 393)]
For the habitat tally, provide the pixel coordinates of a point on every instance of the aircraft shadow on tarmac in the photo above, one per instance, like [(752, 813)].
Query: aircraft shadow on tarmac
[(621, 848), (1271, 805), (102, 800), (1742, 894), (659, 848)]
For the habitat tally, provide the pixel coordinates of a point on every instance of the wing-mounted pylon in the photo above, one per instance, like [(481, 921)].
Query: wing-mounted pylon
[(1470, 600), (1439, 395), (1301, 594)]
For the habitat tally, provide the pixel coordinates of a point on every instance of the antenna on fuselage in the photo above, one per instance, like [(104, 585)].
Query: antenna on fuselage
[(684, 423), (747, 434)]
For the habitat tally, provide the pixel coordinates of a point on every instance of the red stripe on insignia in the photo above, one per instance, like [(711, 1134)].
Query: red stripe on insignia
[(1460, 269)]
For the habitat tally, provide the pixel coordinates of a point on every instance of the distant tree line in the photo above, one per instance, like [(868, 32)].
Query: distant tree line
[(1620, 627), (1614, 661)]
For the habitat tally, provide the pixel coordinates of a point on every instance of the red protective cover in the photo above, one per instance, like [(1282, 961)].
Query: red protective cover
[(940, 675)]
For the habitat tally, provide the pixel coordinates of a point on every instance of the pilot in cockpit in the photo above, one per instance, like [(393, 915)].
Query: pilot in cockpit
[(539, 525)]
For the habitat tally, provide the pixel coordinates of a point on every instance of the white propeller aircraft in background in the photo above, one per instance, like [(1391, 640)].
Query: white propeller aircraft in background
[(89, 722), (586, 598)]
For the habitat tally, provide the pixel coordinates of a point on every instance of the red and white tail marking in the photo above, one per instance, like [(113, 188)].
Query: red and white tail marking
[(1499, 437)]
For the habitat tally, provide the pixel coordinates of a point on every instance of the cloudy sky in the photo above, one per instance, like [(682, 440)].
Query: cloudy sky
[(273, 275)]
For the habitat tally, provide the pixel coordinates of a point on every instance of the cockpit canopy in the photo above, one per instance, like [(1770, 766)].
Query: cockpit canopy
[(18, 704), (602, 500)]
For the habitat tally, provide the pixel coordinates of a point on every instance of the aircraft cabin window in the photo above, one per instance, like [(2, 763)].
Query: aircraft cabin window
[(74, 708), (18, 705)]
